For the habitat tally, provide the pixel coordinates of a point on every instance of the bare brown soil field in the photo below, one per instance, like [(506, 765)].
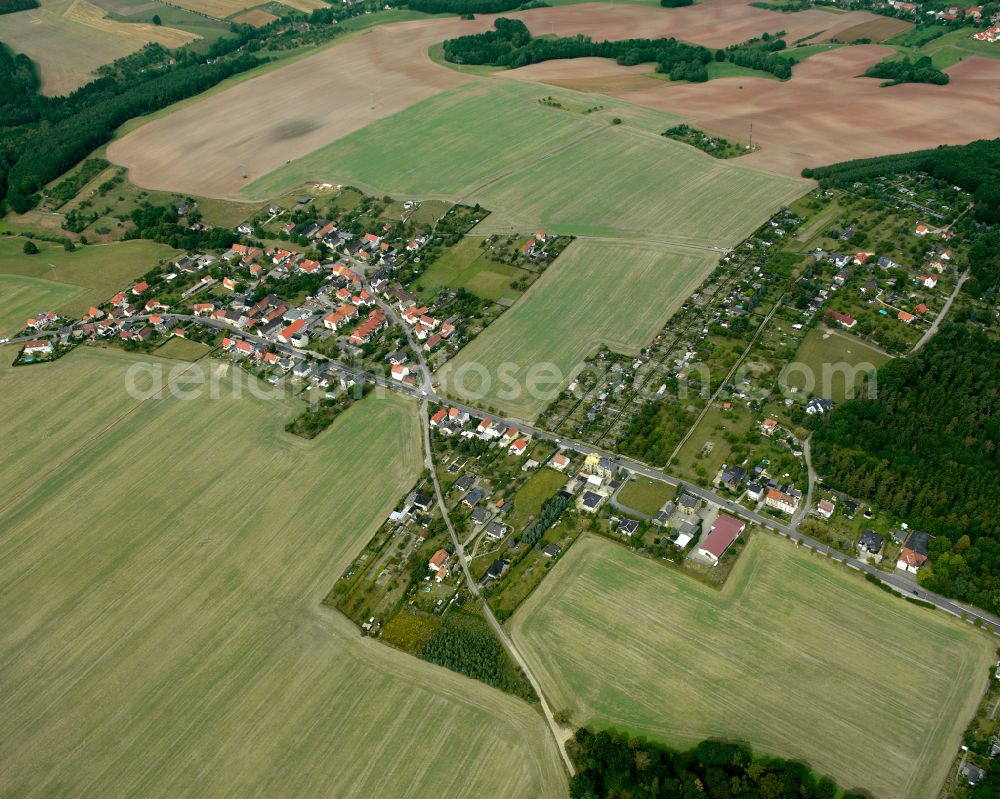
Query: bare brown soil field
[(217, 146), (258, 18), (713, 23), (824, 114), (878, 30)]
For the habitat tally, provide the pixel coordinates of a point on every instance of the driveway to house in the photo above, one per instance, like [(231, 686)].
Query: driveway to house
[(940, 317)]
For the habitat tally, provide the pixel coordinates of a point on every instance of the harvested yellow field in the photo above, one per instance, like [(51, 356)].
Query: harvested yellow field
[(69, 39), (222, 9), (92, 16), (258, 18), (162, 564)]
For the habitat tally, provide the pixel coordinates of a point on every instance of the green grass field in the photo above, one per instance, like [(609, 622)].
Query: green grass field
[(946, 50), (466, 266), (831, 361), (646, 495), (182, 349), (594, 293), (528, 501), (21, 297), (95, 272), (162, 564), (533, 165), (794, 656)]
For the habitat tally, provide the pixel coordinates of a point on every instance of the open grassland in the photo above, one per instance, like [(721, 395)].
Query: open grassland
[(947, 50), (468, 266), (529, 499), (99, 270), (533, 165), (645, 495), (594, 293), (163, 635), (182, 349), (21, 297), (833, 363), (69, 39), (794, 655)]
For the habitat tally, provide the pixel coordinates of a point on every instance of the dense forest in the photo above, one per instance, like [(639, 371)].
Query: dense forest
[(613, 765), (465, 643), (905, 71), (10, 6), (511, 45), (763, 54), (974, 167), (927, 450)]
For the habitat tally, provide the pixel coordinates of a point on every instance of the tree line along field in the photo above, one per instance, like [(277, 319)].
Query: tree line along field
[(596, 293), (795, 656), (69, 39), (92, 274), (163, 635), (535, 165)]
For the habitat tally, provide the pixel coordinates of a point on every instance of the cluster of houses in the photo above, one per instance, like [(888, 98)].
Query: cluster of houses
[(870, 290), (973, 14), (452, 421)]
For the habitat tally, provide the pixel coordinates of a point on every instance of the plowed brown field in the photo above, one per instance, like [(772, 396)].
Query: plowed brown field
[(824, 114)]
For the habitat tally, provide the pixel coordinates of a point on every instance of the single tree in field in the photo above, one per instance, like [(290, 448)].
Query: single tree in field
[(30, 248)]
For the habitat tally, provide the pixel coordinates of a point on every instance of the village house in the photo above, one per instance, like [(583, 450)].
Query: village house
[(688, 503), (518, 448), (37, 347), (437, 560), (724, 532), (779, 500), (870, 543), (768, 426), (818, 405), (842, 319), (825, 509), (559, 462)]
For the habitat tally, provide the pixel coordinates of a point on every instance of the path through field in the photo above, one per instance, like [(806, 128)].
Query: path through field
[(162, 563)]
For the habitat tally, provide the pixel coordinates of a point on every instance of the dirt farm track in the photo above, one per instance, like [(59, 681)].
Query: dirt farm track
[(825, 113)]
